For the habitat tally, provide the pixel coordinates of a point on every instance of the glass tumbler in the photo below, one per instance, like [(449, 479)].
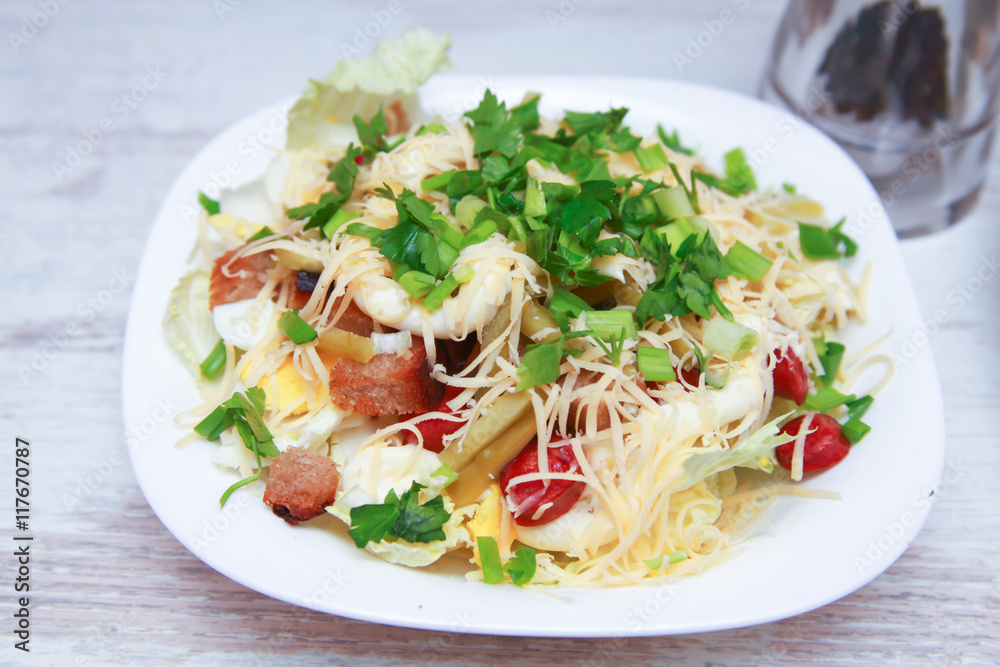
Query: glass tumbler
[(907, 88)]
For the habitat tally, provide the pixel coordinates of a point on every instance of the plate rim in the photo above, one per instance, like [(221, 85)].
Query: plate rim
[(630, 86)]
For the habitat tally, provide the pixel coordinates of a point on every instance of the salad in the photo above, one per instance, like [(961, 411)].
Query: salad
[(565, 352)]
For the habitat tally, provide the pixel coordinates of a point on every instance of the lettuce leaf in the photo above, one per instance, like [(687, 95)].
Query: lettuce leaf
[(746, 453), (188, 323), (322, 117)]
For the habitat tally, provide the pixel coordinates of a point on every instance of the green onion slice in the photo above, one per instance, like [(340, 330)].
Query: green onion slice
[(296, 328), (489, 559), (830, 360), (262, 233), (417, 283), (338, 220), (439, 182), (612, 324), (655, 365), (215, 360), (747, 262), (826, 399), (651, 158)]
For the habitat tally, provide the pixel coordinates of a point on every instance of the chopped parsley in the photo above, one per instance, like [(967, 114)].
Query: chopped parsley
[(244, 412), (521, 566), (399, 517), (210, 205), (821, 243)]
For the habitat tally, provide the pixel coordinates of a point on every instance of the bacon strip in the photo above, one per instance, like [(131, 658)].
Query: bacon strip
[(301, 484), (247, 279)]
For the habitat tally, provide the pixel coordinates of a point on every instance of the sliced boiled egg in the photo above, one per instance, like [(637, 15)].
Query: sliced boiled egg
[(243, 323)]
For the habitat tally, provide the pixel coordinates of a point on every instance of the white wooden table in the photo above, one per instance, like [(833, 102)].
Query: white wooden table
[(147, 84)]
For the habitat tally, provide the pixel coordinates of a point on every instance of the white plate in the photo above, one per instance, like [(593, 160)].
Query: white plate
[(817, 550)]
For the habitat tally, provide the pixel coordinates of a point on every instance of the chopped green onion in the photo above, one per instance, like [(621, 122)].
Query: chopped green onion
[(534, 200), (466, 210), (464, 273), (481, 231), (262, 233), (296, 328), (446, 472), (212, 426), (854, 429), (215, 360), (445, 232), (447, 254), (417, 283), (747, 262), (654, 364), (727, 339), (826, 399), (673, 202), (677, 232), (565, 305), (609, 324), (672, 559), (489, 560), (830, 359), (373, 234), (238, 485), (858, 408), (337, 221), (439, 182), (541, 362), (716, 379), (517, 229), (651, 158), (431, 128), (789, 188), (210, 205), (443, 289), (672, 141)]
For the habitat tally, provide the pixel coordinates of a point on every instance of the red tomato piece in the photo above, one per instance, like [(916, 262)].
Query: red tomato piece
[(528, 497), (791, 380), (691, 375), (434, 430), (824, 447)]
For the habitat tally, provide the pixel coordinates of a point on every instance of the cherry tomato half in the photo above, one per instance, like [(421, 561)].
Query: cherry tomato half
[(528, 497), (791, 380), (434, 430), (824, 447)]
